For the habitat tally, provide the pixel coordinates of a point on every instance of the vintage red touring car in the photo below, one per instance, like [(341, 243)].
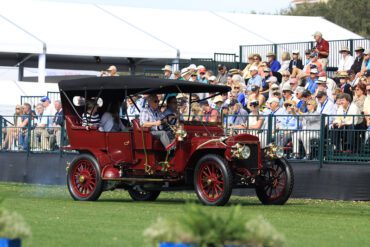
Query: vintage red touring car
[(205, 159)]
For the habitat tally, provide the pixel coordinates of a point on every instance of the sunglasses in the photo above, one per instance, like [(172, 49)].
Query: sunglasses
[(193, 75), (237, 87), (309, 104), (17, 108), (285, 75), (288, 105)]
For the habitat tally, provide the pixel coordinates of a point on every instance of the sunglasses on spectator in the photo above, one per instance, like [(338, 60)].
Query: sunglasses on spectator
[(288, 105), (201, 73), (211, 81), (193, 75), (237, 87), (285, 75), (17, 108), (309, 104)]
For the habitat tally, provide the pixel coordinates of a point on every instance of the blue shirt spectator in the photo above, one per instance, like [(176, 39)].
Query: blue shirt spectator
[(275, 65)]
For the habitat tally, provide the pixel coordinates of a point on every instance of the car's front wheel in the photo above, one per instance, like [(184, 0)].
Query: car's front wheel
[(276, 183), (138, 194), (84, 179), (213, 180)]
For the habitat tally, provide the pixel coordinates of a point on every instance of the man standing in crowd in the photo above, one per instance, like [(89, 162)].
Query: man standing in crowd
[(49, 111), (222, 74), (356, 66), (40, 131), (167, 72), (273, 63), (322, 49)]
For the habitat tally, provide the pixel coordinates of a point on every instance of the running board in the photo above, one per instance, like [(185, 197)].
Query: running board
[(158, 180)]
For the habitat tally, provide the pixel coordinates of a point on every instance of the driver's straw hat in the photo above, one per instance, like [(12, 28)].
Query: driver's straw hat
[(112, 67)]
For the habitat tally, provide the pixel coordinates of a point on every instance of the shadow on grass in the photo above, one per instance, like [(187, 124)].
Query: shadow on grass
[(186, 201)]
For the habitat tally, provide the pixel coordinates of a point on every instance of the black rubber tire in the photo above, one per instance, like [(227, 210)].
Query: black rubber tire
[(227, 176), (262, 191), (72, 188), (144, 196)]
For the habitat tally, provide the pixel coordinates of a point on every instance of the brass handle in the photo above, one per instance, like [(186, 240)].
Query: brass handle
[(126, 143)]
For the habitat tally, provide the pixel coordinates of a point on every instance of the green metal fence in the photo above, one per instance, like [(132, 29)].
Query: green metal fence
[(323, 143)]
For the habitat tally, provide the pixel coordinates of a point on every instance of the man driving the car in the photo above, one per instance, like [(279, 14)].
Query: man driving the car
[(151, 117)]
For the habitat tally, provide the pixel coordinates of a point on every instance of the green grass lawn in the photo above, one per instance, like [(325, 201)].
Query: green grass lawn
[(115, 220)]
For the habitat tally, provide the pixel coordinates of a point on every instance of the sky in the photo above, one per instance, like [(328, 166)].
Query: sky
[(244, 6)]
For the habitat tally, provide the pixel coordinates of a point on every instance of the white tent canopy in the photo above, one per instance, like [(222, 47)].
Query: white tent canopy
[(117, 31)]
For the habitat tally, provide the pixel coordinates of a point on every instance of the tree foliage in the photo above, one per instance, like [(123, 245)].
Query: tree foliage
[(351, 14)]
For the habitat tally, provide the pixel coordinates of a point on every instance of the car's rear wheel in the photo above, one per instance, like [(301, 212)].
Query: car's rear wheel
[(213, 180), (138, 194), (276, 183), (84, 178)]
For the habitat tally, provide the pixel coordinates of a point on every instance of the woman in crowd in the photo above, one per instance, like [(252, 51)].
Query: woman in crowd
[(256, 96), (285, 60), (12, 132), (360, 96), (310, 130), (196, 112)]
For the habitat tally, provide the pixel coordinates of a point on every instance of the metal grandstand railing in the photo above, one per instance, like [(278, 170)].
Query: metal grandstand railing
[(34, 100), (324, 144), (278, 49)]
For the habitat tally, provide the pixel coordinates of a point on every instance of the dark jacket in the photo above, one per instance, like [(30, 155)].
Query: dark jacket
[(356, 66), (299, 65)]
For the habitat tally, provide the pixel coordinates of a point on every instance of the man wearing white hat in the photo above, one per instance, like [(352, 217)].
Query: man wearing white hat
[(356, 66), (167, 70), (346, 59), (323, 87), (185, 74)]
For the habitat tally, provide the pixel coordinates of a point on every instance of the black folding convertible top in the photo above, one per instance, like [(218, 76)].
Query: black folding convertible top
[(135, 85)]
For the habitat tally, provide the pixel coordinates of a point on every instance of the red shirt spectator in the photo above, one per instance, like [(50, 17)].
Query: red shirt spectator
[(322, 46)]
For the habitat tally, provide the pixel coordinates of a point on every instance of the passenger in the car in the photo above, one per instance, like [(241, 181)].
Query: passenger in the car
[(110, 121), (91, 117)]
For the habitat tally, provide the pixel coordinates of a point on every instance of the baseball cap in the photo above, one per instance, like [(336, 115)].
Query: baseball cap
[(321, 80), (45, 98)]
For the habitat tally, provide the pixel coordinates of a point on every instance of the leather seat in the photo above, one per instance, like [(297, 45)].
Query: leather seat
[(151, 141)]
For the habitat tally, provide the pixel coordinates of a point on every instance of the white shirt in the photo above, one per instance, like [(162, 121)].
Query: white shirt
[(351, 110), (345, 63), (49, 112)]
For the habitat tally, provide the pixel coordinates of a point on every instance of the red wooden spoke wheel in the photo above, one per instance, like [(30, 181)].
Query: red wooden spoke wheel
[(277, 183), (83, 179), (213, 180)]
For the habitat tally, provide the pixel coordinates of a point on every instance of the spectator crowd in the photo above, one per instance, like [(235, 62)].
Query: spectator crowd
[(294, 89)]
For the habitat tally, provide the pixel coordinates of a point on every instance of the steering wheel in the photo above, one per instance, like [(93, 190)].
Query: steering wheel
[(165, 122)]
